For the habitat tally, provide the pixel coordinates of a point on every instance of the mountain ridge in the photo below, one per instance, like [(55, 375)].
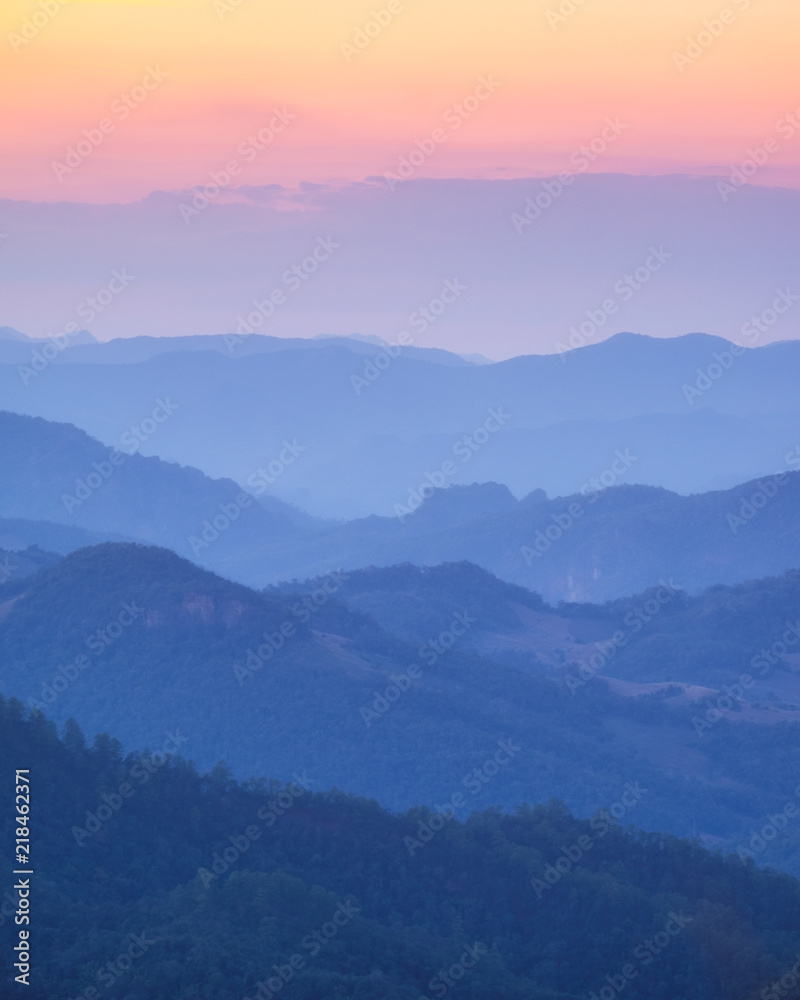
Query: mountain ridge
[(315, 678), (605, 543), (369, 435)]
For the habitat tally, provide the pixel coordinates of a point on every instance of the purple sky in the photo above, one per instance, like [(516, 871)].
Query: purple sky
[(522, 285)]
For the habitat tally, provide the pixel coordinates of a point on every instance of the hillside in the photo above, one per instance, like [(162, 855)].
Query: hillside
[(335, 897), (709, 639), (593, 546), (57, 473), (16, 565), (17, 533), (586, 547), (665, 634), (137, 640)]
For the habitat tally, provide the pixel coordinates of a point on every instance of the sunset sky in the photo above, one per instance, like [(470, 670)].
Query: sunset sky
[(218, 72)]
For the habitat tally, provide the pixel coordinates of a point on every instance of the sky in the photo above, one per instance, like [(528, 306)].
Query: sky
[(181, 84), (207, 145)]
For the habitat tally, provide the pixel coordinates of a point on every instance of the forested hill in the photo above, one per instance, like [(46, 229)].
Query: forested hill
[(153, 882), (137, 641)]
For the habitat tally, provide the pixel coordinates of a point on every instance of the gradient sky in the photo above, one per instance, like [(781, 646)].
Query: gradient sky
[(228, 71)]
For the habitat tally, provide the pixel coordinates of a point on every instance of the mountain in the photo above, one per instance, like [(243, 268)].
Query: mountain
[(16, 565), (414, 603), (82, 348), (19, 533), (19, 349), (152, 880), (56, 473), (366, 430), (713, 639), (8, 333), (717, 451), (593, 546), (662, 642), (138, 640)]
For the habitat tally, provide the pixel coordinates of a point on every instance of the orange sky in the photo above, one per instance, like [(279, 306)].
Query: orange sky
[(359, 111)]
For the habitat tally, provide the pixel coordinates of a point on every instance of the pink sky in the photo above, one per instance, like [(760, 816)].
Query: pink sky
[(161, 92)]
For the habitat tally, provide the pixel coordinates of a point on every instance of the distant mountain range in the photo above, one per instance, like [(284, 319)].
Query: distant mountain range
[(352, 666), (15, 564), (594, 546), (55, 473), (17, 346), (82, 348), (346, 428)]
